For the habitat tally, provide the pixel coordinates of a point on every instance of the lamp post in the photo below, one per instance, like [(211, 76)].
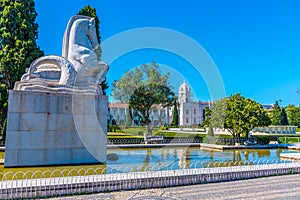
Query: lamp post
[(298, 92)]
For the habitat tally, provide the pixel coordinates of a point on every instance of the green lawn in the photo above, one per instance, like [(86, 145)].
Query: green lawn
[(138, 132)]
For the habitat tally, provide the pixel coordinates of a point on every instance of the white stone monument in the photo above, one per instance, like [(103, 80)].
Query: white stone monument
[(57, 114)]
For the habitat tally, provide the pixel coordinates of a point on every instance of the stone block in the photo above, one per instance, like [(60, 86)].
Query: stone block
[(49, 135), (27, 102), (40, 104), (14, 102), (84, 104), (33, 121), (52, 104), (13, 121)]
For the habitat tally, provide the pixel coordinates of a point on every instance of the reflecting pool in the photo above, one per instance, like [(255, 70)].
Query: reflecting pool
[(188, 157), (150, 159)]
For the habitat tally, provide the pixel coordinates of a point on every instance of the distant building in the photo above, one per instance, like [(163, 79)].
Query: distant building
[(268, 106), (118, 113), (190, 112)]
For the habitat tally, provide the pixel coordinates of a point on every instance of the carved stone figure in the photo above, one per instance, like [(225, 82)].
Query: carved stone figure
[(57, 114), (79, 66)]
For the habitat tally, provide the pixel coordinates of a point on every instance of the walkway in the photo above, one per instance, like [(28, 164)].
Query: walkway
[(276, 187)]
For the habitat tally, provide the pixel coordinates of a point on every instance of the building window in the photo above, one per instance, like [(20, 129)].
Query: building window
[(122, 111), (194, 111), (187, 112), (195, 121), (187, 120)]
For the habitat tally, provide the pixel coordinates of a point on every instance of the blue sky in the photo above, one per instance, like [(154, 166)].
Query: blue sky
[(255, 44)]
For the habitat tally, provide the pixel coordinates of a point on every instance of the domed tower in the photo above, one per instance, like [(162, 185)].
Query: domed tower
[(184, 93)]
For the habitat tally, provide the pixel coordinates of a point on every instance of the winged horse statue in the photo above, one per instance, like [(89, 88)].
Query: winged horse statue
[(79, 66)]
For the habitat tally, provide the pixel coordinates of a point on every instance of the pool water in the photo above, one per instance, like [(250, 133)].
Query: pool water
[(180, 158), (153, 159)]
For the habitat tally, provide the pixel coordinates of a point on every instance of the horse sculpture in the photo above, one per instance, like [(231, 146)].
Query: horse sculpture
[(80, 64)]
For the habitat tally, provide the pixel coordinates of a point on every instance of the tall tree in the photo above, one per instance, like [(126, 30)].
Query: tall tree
[(276, 114), (91, 12), (238, 114), (128, 118), (206, 117), (145, 97), (175, 119), (284, 119), (18, 48)]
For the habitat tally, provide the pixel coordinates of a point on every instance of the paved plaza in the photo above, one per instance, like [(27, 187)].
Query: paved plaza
[(276, 187)]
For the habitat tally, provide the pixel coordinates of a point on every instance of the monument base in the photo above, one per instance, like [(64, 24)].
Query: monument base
[(52, 128)]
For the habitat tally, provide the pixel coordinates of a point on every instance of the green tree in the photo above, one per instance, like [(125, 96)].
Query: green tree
[(206, 117), (128, 118), (3, 106), (142, 75), (91, 12), (146, 96), (284, 118), (293, 114), (18, 48), (175, 119), (238, 115), (276, 114)]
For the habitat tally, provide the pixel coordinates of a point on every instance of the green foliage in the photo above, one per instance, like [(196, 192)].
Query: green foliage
[(4, 129), (283, 117), (210, 131), (207, 117), (175, 115), (3, 103), (149, 95), (142, 88), (263, 140), (276, 114), (128, 119), (114, 128), (18, 48), (132, 80), (19, 33), (293, 114), (238, 114)]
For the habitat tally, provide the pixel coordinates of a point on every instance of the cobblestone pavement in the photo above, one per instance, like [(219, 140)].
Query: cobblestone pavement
[(276, 187)]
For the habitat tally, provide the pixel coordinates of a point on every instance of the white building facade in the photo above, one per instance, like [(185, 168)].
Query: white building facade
[(118, 114), (190, 112)]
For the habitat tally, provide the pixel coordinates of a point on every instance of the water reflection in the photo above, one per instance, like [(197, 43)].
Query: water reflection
[(147, 159), (183, 157)]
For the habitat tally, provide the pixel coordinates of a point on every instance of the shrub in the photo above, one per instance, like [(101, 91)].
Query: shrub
[(263, 140), (114, 128), (4, 129)]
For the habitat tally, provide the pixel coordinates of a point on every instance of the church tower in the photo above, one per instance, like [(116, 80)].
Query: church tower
[(184, 93)]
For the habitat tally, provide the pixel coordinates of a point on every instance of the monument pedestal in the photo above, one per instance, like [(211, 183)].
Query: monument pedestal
[(55, 128)]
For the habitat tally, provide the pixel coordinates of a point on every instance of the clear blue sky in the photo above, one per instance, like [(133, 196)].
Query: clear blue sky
[(255, 44)]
